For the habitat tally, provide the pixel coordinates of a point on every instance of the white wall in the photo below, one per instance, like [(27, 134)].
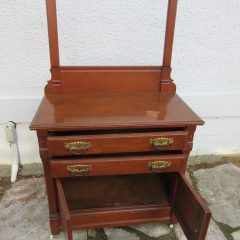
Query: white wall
[(206, 58)]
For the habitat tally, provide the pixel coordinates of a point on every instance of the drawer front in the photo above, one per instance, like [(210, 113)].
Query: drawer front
[(117, 166), (116, 143)]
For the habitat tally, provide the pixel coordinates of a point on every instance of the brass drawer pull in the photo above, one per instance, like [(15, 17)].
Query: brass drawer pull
[(162, 142), (79, 170), (77, 146), (159, 165)]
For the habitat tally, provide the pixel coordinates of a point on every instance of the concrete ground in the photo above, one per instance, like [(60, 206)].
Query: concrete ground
[(24, 212)]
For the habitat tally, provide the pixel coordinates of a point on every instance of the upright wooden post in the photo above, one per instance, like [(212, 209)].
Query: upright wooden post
[(167, 84), (53, 46)]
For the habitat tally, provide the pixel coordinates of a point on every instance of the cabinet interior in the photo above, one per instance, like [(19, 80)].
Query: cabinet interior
[(116, 191)]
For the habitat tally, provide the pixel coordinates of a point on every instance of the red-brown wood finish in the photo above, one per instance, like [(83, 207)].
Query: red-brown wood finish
[(120, 217), (116, 143), (55, 82), (117, 111), (74, 79), (111, 79), (103, 166), (167, 84), (193, 216), (61, 112), (64, 212), (133, 199), (50, 184)]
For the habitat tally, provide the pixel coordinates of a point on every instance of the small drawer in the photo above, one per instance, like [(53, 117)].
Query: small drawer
[(116, 143), (117, 165)]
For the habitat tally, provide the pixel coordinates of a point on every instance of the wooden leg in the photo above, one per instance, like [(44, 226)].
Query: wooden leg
[(52, 202), (50, 185), (54, 224), (173, 219)]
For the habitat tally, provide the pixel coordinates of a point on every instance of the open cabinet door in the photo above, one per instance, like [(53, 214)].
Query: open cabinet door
[(64, 212), (190, 210)]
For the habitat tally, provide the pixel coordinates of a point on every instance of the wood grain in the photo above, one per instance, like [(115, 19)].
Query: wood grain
[(112, 111), (116, 143), (103, 166), (118, 109), (190, 210)]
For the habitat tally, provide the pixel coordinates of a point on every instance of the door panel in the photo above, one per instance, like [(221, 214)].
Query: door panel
[(64, 212), (190, 210)]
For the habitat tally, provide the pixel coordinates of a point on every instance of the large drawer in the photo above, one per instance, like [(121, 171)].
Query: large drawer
[(97, 202), (116, 143), (117, 165)]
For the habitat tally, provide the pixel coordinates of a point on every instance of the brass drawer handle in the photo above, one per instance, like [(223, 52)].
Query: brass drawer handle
[(159, 165), (79, 170), (77, 146), (162, 142)]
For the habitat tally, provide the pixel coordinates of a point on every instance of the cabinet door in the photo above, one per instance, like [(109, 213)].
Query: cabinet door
[(64, 212), (190, 210)]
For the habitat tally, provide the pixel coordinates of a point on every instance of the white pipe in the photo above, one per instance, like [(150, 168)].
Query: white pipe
[(11, 135), (15, 161)]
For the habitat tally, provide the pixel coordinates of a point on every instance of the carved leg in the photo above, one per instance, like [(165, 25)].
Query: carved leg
[(50, 185)]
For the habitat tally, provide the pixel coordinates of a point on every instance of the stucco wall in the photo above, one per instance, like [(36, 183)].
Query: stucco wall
[(206, 58)]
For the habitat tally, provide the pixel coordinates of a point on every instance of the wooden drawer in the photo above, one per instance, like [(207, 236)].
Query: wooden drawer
[(93, 202), (116, 143), (117, 165)]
